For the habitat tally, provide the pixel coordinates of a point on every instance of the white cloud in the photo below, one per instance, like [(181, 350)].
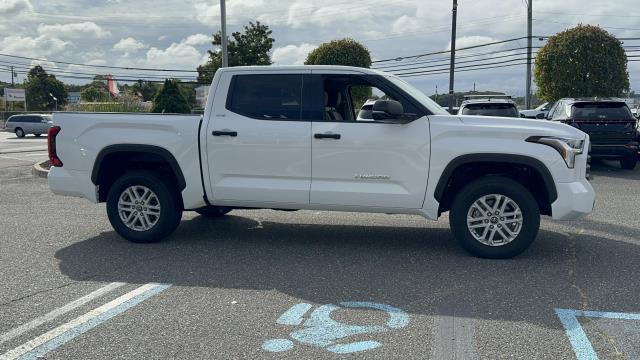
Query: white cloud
[(467, 41), (40, 46), (292, 54), (128, 46), (12, 7), (178, 55), (198, 39), (80, 30)]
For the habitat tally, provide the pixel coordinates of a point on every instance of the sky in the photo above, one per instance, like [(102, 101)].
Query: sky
[(172, 34)]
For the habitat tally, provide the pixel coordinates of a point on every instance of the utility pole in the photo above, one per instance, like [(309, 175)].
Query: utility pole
[(527, 96), (223, 15), (12, 73), (452, 65)]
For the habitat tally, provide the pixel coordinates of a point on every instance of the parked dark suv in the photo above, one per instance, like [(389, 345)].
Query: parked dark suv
[(609, 123)]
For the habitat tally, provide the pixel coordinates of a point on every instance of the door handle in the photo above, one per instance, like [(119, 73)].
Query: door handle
[(327, 136), (225, 133)]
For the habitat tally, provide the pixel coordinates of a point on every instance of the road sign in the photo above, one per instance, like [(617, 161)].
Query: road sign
[(14, 95)]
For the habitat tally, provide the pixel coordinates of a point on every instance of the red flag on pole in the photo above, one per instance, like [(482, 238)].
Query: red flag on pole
[(113, 86)]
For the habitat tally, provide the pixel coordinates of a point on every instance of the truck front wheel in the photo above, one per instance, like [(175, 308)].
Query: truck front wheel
[(495, 217), (143, 208)]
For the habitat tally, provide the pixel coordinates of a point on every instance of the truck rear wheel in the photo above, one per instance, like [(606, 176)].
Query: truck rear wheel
[(143, 208), (495, 217)]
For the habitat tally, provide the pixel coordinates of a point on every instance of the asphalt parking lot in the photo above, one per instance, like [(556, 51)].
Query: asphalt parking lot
[(260, 284)]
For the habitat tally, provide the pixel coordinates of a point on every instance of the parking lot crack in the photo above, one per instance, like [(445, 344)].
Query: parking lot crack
[(43, 291), (584, 298)]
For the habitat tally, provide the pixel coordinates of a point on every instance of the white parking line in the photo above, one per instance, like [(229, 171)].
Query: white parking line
[(57, 337), (454, 332), (58, 312)]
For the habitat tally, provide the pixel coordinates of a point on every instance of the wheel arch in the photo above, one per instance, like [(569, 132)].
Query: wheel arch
[(133, 154), (466, 168)]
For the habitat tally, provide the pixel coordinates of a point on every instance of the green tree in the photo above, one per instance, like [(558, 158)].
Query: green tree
[(41, 88), (147, 89), (250, 47), (93, 93), (583, 61), (347, 52), (170, 99)]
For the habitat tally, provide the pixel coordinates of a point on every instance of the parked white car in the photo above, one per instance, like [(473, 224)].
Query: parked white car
[(540, 112), (497, 106), (267, 141)]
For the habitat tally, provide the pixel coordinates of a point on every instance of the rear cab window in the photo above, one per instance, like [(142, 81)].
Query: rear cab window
[(266, 96)]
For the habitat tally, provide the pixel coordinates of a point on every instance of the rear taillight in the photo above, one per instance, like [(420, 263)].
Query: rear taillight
[(51, 145)]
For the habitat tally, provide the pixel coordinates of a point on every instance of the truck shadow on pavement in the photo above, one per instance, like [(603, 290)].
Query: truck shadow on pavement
[(416, 269)]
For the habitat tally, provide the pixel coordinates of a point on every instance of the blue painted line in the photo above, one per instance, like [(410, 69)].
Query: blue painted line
[(60, 340), (577, 337), (294, 316)]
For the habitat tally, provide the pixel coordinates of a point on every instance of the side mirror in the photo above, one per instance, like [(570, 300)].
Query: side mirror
[(541, 116), (387, 111)]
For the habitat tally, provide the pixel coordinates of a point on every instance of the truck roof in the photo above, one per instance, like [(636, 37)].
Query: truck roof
[(263, 68)]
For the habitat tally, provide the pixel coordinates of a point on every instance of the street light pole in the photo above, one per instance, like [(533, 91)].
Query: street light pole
[(529, 48), (223, 15), (452, 64)]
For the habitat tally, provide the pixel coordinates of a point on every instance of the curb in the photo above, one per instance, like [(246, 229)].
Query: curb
[(38, 170)]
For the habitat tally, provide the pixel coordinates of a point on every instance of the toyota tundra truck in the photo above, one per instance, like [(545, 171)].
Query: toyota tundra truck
[(289, 138)]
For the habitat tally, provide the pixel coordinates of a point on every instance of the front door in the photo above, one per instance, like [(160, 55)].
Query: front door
[(357, 162), (259, 147)]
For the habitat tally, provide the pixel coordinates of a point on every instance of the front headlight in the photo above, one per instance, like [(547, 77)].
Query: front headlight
[(566, 147)]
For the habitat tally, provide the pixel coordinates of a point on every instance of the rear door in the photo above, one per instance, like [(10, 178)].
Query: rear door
[(357, 162), (259, 143)]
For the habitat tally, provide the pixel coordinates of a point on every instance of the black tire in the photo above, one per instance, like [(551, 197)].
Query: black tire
[(19, 132), (629, 162), (500, 186), (213, 211), (37, 135), (167, 195)]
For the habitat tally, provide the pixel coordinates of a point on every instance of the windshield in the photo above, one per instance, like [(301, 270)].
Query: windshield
[(601, 111), (418, 95), (501, 110)]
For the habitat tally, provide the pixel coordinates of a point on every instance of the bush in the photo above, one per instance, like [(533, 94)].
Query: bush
[(585, 61), (170, 100), (347, 52)]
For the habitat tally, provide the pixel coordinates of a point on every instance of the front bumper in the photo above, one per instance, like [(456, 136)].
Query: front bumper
[(575, 200), (72, 183)]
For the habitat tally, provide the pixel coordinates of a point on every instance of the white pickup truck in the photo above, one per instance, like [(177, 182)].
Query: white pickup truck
[(289, 138)]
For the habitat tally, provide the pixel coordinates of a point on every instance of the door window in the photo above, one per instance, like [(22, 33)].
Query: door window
[(266, 97), (350, 98)]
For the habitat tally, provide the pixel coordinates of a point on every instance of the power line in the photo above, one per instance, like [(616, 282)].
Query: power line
[(464, 70), (446, 59), (459, 67), (448, 51), (98, 66), (460, 62)]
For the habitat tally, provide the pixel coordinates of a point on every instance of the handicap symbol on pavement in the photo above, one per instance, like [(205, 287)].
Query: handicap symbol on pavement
[(320, 330)]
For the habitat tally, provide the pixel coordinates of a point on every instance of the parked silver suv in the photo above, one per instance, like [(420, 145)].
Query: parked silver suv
[(24, 124)]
